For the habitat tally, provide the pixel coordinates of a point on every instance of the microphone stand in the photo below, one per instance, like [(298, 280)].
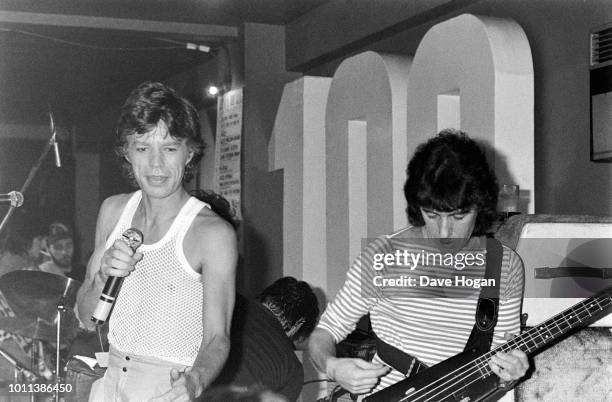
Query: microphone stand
[(52, 141), (61, 308), (63, 304)]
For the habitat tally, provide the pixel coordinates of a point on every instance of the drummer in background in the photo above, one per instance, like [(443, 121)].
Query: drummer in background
[(60, 247)]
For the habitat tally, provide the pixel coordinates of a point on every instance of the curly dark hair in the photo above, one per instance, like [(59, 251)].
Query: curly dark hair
[(292, 301), (450, 172), (218, 204), (145, 107)]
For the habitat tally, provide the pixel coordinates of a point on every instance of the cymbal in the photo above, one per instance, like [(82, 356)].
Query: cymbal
[(35, 329), (36, 294)]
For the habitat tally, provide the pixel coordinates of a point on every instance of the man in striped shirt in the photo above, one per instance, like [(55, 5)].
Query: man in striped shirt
[(420, 285)]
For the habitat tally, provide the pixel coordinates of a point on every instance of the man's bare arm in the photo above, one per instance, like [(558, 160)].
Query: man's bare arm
[(356, 375), (89, 292), (322, 348), (219, 257)]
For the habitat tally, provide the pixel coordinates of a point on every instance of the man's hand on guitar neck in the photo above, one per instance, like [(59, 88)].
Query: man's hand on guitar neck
[(509, 366), (355, 375)]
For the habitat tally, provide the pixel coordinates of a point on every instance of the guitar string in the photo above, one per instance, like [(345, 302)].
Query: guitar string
[(481, 362)]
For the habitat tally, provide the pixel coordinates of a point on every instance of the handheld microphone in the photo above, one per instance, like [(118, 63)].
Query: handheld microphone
[(14, 197), (133, 237)]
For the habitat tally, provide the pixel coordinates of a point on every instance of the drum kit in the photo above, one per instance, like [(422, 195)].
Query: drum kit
[(42, 304)]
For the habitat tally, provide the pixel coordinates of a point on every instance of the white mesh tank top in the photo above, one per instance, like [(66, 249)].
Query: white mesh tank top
[(159, 309)]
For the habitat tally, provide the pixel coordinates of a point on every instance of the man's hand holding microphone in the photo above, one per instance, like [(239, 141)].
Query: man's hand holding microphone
[(117, 263)]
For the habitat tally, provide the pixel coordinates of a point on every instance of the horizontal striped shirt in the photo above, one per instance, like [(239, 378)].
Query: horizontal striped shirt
[(411, 310)]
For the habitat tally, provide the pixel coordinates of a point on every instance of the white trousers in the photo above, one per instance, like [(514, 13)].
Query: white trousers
[(132, 378)]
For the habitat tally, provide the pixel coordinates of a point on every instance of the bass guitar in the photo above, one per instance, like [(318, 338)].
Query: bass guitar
[(468, 377)]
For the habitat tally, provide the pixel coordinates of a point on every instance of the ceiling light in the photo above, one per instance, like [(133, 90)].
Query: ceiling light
[(212, 90)]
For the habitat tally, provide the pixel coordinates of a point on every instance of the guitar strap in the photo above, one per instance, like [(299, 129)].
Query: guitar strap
[(481, 336), (401, 361), (482, 333)]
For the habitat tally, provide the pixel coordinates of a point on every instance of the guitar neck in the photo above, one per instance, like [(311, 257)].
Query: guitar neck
[(556, 327)]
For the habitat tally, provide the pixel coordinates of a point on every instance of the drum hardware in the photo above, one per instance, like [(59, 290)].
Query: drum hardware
[(35, 295), (37, 329), (43, 305), (20, 371), (21, 374)]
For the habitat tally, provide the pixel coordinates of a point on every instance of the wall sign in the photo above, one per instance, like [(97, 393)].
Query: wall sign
[(227, 148)]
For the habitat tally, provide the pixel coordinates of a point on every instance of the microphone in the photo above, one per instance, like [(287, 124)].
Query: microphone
[(58, 161), (14, 197), (133, 237)]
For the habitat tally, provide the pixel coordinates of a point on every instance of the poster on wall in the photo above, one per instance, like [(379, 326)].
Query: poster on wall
[(227, 148)]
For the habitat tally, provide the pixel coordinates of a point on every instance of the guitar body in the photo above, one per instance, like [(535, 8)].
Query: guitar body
[(456, 391)]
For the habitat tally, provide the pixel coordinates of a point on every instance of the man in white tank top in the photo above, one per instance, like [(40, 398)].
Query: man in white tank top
[(169, 328)]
